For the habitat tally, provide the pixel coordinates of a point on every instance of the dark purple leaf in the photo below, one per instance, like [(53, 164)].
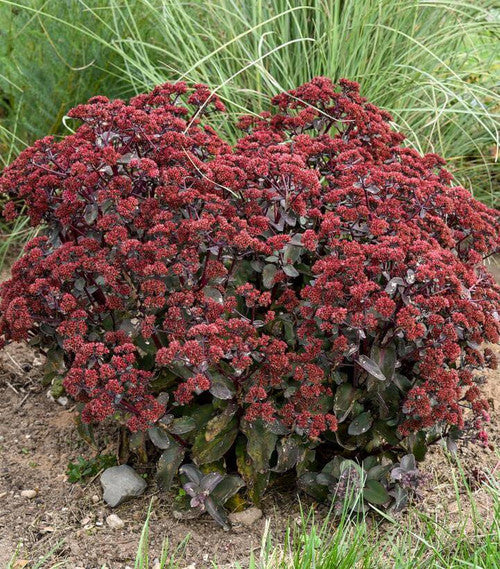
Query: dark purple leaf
[(371, 367), (210, 481)]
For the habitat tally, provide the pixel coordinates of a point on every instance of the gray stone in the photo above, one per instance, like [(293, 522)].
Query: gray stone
[(28, 494), (121, 483), (246, 517)]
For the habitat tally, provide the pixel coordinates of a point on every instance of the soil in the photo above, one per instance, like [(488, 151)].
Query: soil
[(38, 439)]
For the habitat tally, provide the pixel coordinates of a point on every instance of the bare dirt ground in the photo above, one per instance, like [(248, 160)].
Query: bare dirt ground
[(38, 438)]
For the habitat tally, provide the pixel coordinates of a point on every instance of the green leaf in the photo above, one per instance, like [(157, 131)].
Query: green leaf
[(221, 387), (344, 444), (201, 414), (288, 454), (204, 451), (305, 461), (349, 464), (257, 266), (214, 294), (385, 359), (219, 422), (217, 512), (91, 213), (375, 493), (268, 273), (400, 496), (227, 488), (333, 467), (86, 431), (137, 444), (378, 472), (345, 396), (165, 380), (292, 252), (159, 437), (168, 464), (369, 462), (361, 424), (387, 432), (182, 425), (290, 271), (309, 484), (402, 382), (417, 445), (256, 481), (261, 443), (54, 361)]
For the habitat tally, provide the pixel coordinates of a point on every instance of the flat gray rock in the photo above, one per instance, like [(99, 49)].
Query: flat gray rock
[(121, 483)]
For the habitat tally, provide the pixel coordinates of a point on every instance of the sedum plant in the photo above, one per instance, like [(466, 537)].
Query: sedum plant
[(315, 292), (209, 492)]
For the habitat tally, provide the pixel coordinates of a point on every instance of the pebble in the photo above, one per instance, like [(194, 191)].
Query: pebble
[(115, 522), (95, 498), (28, 494), (121, 483), (246, 517)]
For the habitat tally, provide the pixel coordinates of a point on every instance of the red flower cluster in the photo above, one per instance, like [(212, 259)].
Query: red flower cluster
[(317, 252)]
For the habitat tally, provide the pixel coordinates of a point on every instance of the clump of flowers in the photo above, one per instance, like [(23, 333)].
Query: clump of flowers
[(315, 290)]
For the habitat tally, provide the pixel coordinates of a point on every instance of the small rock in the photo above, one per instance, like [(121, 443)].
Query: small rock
[(121, 483), (28, 494), (63, 401), (115, 522), (95, 498), (247, 517), (85, 521), (192, 566)]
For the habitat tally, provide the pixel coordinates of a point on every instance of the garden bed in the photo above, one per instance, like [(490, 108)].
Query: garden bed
[(38, 439)]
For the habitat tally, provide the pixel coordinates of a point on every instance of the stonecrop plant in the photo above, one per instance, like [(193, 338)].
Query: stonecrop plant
[(315, 293)]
